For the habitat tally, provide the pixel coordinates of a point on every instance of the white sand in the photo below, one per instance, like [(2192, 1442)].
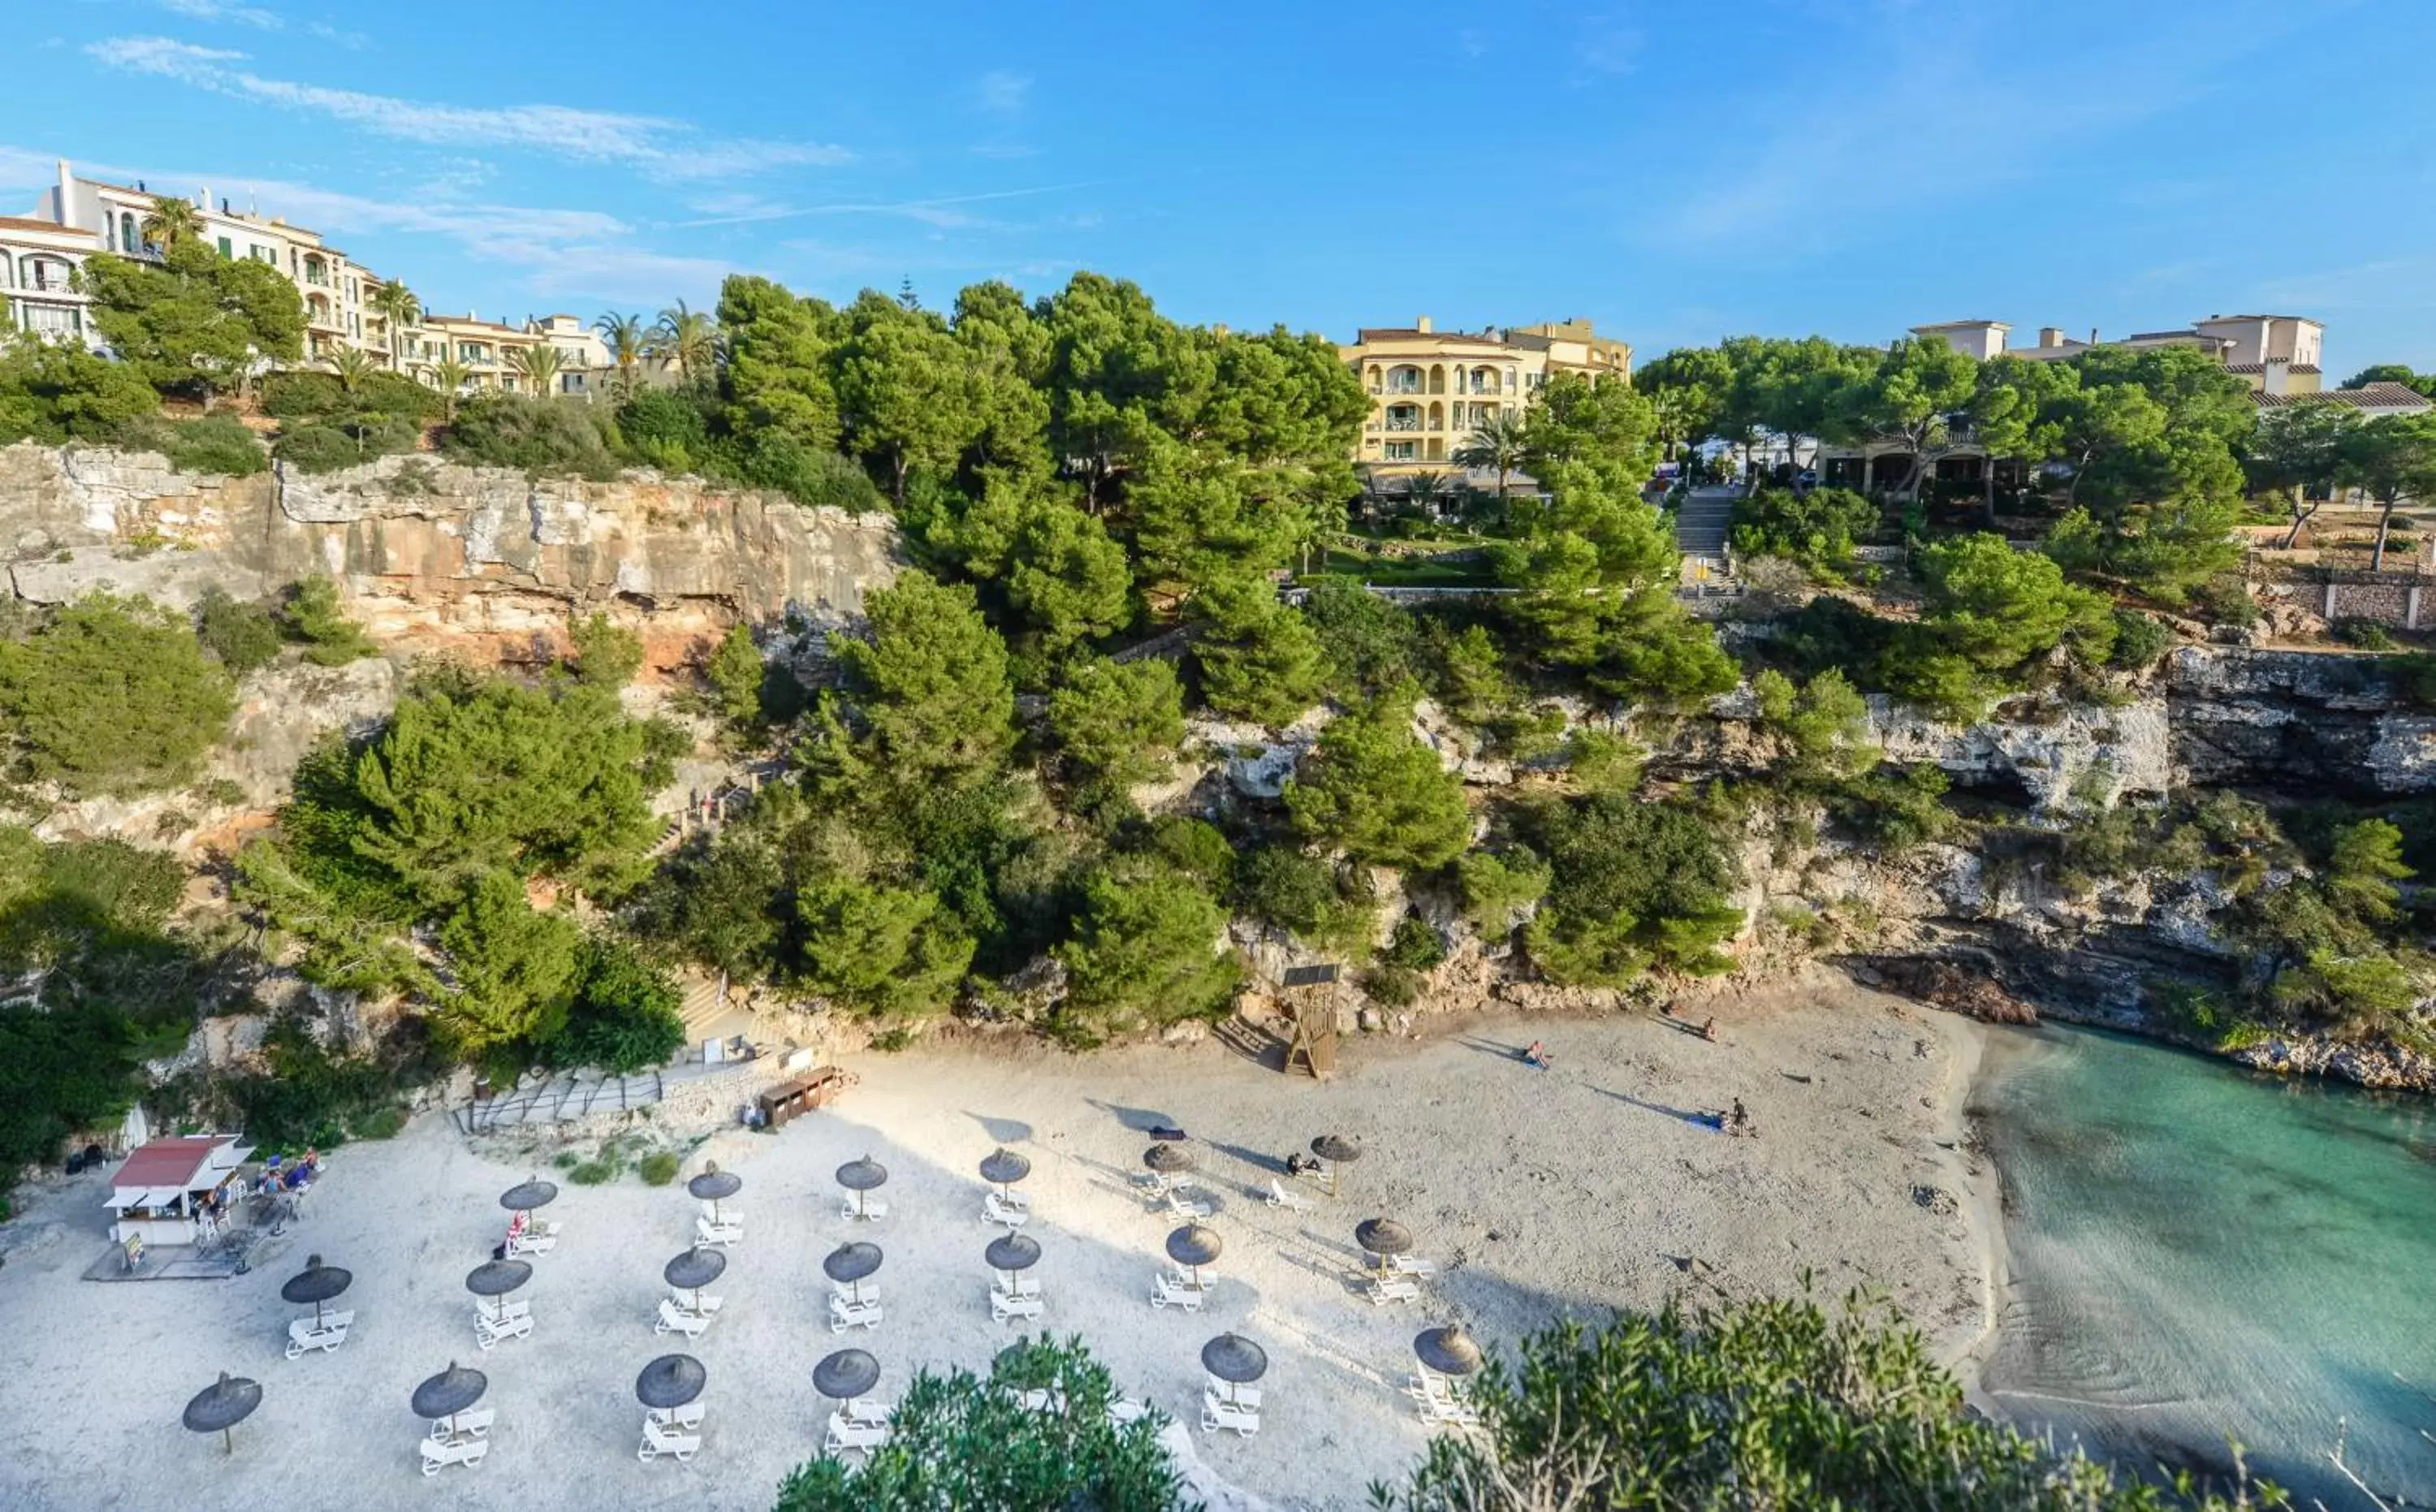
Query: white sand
[(1540, 1195)]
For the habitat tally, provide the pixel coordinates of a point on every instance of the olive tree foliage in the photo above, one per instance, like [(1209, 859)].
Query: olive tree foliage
[(962, 1440), (1770, 1403)]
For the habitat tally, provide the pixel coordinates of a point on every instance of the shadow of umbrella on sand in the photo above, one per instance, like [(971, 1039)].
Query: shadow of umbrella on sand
[(449, 1392), (221, 1406), (850, 1264), (316, 1283)]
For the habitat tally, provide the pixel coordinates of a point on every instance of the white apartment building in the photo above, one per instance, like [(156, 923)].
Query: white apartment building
[(338, 314), (38, 259), (488, 350), (2278, 354)]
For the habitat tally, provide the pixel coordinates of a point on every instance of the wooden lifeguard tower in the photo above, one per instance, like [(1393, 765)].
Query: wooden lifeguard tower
[(1312, 1043)]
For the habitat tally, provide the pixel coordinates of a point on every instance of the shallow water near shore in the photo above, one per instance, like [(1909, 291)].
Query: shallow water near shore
[(2201, 1256)]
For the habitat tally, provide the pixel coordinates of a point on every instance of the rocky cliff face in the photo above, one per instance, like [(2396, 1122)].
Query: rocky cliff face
[(431, 555)]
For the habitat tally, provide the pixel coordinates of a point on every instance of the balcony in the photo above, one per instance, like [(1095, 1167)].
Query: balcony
[(1413, 424)]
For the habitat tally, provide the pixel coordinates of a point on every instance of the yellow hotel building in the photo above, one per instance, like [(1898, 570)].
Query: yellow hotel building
[(1430, 389)]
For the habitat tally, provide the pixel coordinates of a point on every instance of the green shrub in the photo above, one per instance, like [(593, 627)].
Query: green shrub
[(814, 476), (1396, 986), (2365, 633), (1631, 885), (216, 443), (305, 1094), (112, 696), (549, 438), (1415, 946), (242, 636), (61, 392), (658, 1169), (960, 1440), (2139, 640), (624, 1018), (306, 395), (1749, 1405), (1896, 811), (1817, 528), (322, 450), (592, 1172), (312, 616), (1281, 885)]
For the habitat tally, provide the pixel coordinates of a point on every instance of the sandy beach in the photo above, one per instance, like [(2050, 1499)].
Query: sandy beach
[(1539, 1193)]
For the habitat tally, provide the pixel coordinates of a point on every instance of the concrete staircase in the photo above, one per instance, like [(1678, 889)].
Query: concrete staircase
[(1701, 524)]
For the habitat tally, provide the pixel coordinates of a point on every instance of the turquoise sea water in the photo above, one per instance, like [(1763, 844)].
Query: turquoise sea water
[(2199, 1255)]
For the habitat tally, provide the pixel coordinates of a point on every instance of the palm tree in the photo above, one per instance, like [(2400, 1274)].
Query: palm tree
[(448, 375), (396, 304), (350, 367), (538, 366), (689, 339), (1497, 443), (628, 346), (171, 223)]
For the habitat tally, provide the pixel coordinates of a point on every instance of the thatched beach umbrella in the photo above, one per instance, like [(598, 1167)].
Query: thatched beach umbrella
[(221, 1406), (695, 1269), (497, 1278), (1337, 1150), (527, 1194), (1382, 1237), (1167, 1159), (1195, 1247), (861, 1176), (1004, 1167), (714, 1186), (316, 1283), (1012, 1252), (850, 1264), (671, 1382), (845, 1374), (1448, 1351), (1234, 1360), (449, 1392)]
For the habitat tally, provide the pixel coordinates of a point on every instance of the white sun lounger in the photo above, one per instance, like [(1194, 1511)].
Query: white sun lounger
[(1413, 1265), (687, 1417), (1171, 1294), (1387, 1288), (1184, 1207), (1123, 1413), (674, 1319), (705, 1232), (996, 1211), (871, 1207), (683, 1302), (845, 1433), (303, 1336), (501, 1307), (864, 1410), (489, 1330), (844, 1315), (438, 1454), (1241, 1395), (1014, 1283), (658, 1441), (1012, 1197), (1447, 1409), (473, 1422), (1217, 1415), (1003, 1307), (1041, 1399), (722, 1213), (530, 1242), (1291, 1201)]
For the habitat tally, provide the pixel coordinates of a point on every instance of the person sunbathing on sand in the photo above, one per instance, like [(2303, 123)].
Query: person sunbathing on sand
[(1537, 1055)]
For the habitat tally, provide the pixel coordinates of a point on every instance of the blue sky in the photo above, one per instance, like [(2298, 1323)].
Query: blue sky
[(1674, 171)]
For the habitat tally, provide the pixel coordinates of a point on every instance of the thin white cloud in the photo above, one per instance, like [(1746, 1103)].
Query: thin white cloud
[(546, 253), (660, 146), (1004, 92), (940, 211), (1607, 43), (219, 10), (352, 40)]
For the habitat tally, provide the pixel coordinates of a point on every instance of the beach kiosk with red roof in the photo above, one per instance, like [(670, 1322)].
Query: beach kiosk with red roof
[(158, 1192)]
